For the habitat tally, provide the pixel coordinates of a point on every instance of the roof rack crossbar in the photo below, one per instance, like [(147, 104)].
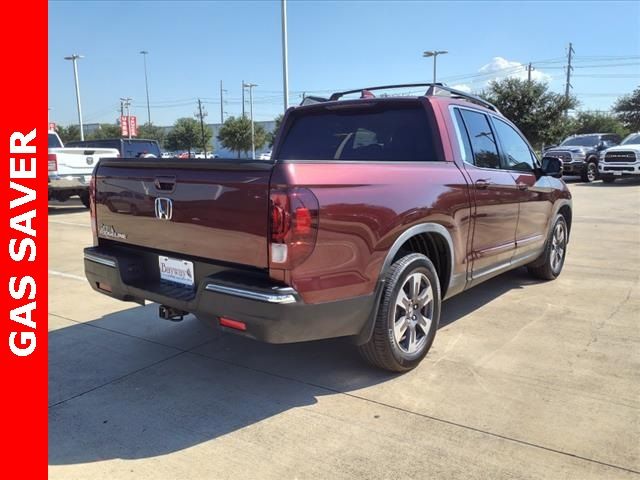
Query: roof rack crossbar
[(433, 91), (338, 95)]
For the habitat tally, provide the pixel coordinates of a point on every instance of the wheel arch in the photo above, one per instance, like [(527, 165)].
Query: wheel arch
[(431, 239)]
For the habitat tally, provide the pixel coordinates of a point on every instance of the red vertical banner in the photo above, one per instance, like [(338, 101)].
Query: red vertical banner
[(23, 207), (124, 125)]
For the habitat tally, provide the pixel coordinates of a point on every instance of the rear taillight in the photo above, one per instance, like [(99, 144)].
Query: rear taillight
[(53, 162), (92, 209), (294, 226)]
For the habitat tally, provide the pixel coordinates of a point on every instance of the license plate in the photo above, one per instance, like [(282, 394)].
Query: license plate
[(176, 271), (617, 173)]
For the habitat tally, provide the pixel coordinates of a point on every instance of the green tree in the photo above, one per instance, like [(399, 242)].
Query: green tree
[(186, 134), (537, 112), (104, 130), (68, 134), (152, 132), (586, 122), (627, 109), (272, 135), (235, 134)]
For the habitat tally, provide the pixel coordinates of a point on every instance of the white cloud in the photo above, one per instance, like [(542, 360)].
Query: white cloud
[(499, 68), (463, 87)]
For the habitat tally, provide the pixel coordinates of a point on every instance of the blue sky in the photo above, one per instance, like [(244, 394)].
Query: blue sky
[(332, 45)]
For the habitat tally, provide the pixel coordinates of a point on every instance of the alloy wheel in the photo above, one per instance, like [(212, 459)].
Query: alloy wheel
[(558, 245), (413, 313)]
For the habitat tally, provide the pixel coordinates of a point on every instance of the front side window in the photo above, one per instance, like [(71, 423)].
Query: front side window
[(517, 154), (483, 143), (378, 132)]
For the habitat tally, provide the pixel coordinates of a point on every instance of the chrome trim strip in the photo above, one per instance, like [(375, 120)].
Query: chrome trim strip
[(250, 294), (100, 260)]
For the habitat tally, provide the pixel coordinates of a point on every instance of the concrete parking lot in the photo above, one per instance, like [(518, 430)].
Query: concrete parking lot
[(526, 379)]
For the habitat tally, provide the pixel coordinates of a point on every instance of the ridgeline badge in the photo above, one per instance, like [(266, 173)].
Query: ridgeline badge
[(109, 231)]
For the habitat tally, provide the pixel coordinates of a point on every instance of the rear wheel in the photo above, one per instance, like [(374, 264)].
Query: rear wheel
[(549, 265), (408, 315)]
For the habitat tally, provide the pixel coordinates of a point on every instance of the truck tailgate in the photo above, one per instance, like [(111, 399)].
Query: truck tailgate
[(211, 209)]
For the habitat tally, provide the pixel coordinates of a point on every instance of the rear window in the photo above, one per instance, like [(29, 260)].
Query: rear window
[(376, 133), (53, 141), (139, 149)]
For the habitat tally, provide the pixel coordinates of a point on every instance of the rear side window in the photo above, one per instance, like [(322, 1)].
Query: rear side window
[(53, 141), (483, 142), (376, 133)]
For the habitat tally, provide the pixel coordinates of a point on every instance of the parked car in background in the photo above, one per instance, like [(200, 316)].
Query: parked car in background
[(370, 213), (265, 156), (580, 153), (128, 147), (622, 160), (70, 169)]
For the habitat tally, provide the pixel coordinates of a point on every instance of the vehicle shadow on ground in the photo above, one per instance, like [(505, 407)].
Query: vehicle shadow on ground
[(620, 182), (116, 395), (70, 206)]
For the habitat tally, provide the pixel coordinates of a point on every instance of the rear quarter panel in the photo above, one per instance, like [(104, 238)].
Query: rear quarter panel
[(364, 207)]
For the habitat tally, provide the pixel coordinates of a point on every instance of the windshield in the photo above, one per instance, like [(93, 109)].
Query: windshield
[(586, 141), (53, 141), (381, 132), (633, 139)]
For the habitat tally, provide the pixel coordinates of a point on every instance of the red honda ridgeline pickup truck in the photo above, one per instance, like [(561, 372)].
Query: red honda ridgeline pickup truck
[(371, 212)]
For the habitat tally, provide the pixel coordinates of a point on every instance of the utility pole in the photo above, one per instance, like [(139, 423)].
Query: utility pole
[(221, 104), (144, 54), (434, 54), (253, 133), (127, 103), (285, 56), (74, 58), (243, 84), (529, 70), (121, 108), (200, 114), (569, 70)]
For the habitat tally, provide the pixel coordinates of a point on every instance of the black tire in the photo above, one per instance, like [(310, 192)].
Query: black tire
[(383, 350), (549, 265), (84, 198), (590, 173), (608, 178)]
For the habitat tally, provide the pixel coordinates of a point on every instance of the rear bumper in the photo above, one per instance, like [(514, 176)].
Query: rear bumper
[(272, 313), (68, 182)]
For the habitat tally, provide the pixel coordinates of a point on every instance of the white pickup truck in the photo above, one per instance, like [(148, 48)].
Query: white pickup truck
[(622, 160), (70, 169)]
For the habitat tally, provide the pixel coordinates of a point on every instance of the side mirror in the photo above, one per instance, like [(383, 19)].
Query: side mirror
[(551, 167)]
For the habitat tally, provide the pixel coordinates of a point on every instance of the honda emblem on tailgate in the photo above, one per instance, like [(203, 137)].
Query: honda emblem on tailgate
[(164, 208)]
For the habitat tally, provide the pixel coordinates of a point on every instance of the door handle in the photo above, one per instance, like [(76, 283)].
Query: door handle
[(522, 186), (482, 183)]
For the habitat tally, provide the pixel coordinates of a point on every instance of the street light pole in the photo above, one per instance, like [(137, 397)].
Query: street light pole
[(285, 56), (144, 54), (74, 58), (253, 133), (434, 54)]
